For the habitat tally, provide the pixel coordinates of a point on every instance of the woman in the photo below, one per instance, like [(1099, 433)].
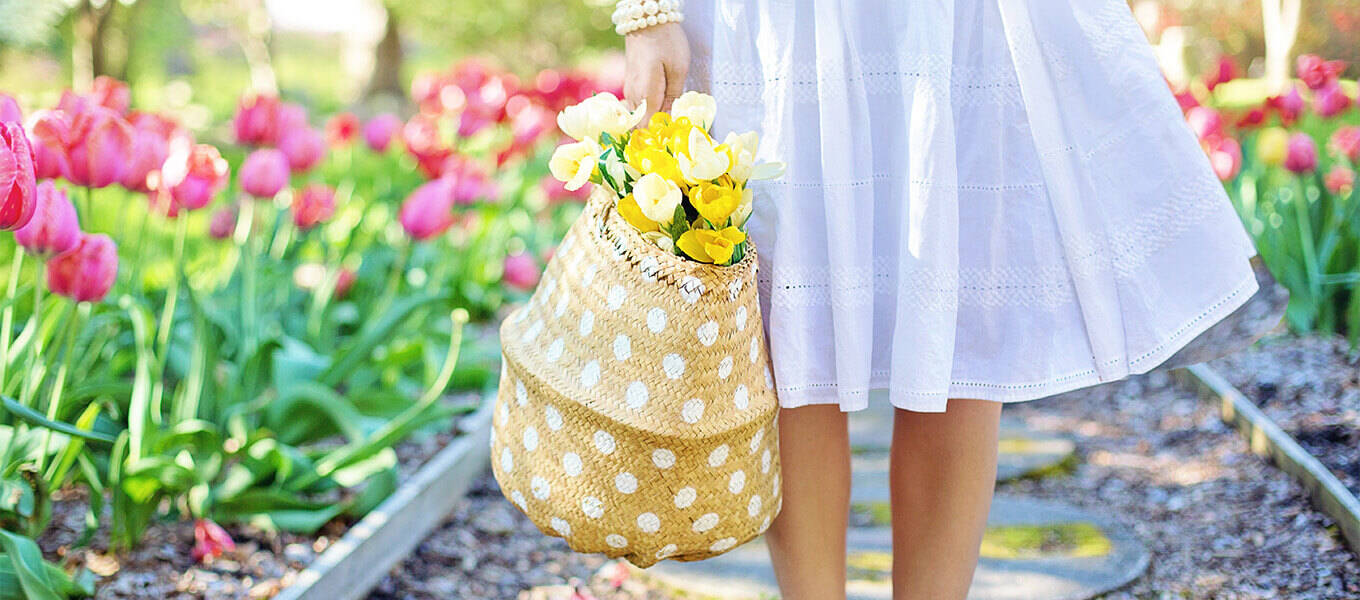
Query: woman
[(986, 201)]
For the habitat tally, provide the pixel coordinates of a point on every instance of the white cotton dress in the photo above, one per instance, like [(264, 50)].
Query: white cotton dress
[(992, 199)]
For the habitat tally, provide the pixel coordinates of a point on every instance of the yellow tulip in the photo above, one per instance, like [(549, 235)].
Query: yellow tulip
[(708, 246), (714, 202), (629, 210), (1272, 145), (656, 160)]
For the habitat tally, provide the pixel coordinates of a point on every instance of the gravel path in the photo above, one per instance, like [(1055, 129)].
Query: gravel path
[(1222, 523), (1311, 387)]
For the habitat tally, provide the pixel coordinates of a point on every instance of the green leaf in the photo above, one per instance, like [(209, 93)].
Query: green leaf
[(376, 332), (36, 418), (16, 496), (304, 411), (26, 561), (295, 362)]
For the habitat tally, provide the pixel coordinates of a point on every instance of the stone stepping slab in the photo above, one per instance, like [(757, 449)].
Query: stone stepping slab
[(1034, 550)]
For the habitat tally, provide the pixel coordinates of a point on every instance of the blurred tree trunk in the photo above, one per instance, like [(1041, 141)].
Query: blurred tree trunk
[(1281, 21), (255, 42), (387, 59), (89, 52)]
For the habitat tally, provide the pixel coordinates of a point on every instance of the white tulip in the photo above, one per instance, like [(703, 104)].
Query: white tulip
[(703, 163), (574, 163), (698, 108), (743, 150), (743, 211), (601, 113), (657, 197)]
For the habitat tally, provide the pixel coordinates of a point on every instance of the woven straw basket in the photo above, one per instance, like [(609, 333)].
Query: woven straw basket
[(636, 414)]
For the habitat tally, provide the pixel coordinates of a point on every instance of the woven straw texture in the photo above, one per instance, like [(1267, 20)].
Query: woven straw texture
[(636, 413)]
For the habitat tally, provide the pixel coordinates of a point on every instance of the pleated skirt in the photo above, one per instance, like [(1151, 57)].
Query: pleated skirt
[(990, 199)]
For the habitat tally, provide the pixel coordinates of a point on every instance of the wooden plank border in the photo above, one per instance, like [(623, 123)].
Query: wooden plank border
[(354, 564), (1267, 439)]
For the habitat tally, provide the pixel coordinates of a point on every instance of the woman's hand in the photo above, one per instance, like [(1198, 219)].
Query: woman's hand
[(656, 63)]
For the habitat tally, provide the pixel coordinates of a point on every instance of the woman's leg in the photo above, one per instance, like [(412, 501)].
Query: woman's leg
[(807, 539), (942, 476)]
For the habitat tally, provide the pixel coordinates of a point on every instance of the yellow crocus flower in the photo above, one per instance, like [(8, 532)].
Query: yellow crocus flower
[(708, 246), (632, 213), (715, 202)]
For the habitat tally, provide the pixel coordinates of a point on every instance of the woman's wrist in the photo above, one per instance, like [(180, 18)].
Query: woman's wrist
[(633, 15)]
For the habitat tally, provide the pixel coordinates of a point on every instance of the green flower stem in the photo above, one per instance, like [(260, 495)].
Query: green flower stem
[(7, 320), (394, 279), (71, 326), (26, 388), (246, 237), (136, 280), (88, 217), (1306, 242), (168, 318)]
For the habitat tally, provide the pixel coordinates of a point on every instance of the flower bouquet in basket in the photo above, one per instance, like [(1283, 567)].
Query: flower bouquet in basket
[(636, 412)]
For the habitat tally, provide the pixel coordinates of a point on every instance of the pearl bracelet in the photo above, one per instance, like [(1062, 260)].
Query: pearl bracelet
[(632, 15)]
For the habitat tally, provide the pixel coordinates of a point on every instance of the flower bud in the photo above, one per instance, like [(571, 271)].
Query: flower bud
[(17, 181), (223, 223), (304, 148), (264, 173), (379, 130), (1302, 154), (521, 271), (313, 205), (53, 228), (86, 272), (428, 211), (98, 148), (340, 129)]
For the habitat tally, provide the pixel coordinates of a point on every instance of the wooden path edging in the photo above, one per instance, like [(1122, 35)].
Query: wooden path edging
[(1267, 439), (350, 567)]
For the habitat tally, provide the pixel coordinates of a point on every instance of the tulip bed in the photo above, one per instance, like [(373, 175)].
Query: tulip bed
[(240, 332), (1289, 163)]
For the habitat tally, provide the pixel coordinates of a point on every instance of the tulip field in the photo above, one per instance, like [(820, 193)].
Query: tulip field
[(240, 330), (1289, 161)]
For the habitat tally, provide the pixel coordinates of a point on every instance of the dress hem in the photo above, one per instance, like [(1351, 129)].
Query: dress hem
[(1022, 392)]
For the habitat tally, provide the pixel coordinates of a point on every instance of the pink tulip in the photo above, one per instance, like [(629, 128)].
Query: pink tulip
[(191, 177), (9, 110), (422, 140), (111, 94), (264, 173), (1317, 73), (428, 211), (1288, 104), (1346, 142), (340, 129), (1301, 155), (98, 149), (1225, 154), (150, 147), (1340, 180), (264, 120), (1330, 100), (379, 130), (223, 223), (1206, 122), (313, 205), (304, 148), (210, 541), (471, 182), (521, 271), (86, 272), (49, 132), (54, 228), (17, 181)]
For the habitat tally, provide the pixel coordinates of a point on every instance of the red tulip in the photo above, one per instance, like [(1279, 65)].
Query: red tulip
[(428, 211), (9, 110), (150, 147), (309, 276), (304, 148), (223, 223), (1205, 121), (340, 129), (1346, 142), (313, 205), (1252, 118), (1301, 155), (111, 94), (17, 181), (1225, 154), (53, 228), (1288, 104), (98, 149), (1340, 180), (49, 132), (191, 176), (1186, 99), (210, 540), (1330, 100), (422, 139), (264, 173), (379, 130), (521, 271), (85, 273), (1317, 73)]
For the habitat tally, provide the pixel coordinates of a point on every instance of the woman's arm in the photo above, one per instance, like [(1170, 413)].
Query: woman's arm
[(657, 61)]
